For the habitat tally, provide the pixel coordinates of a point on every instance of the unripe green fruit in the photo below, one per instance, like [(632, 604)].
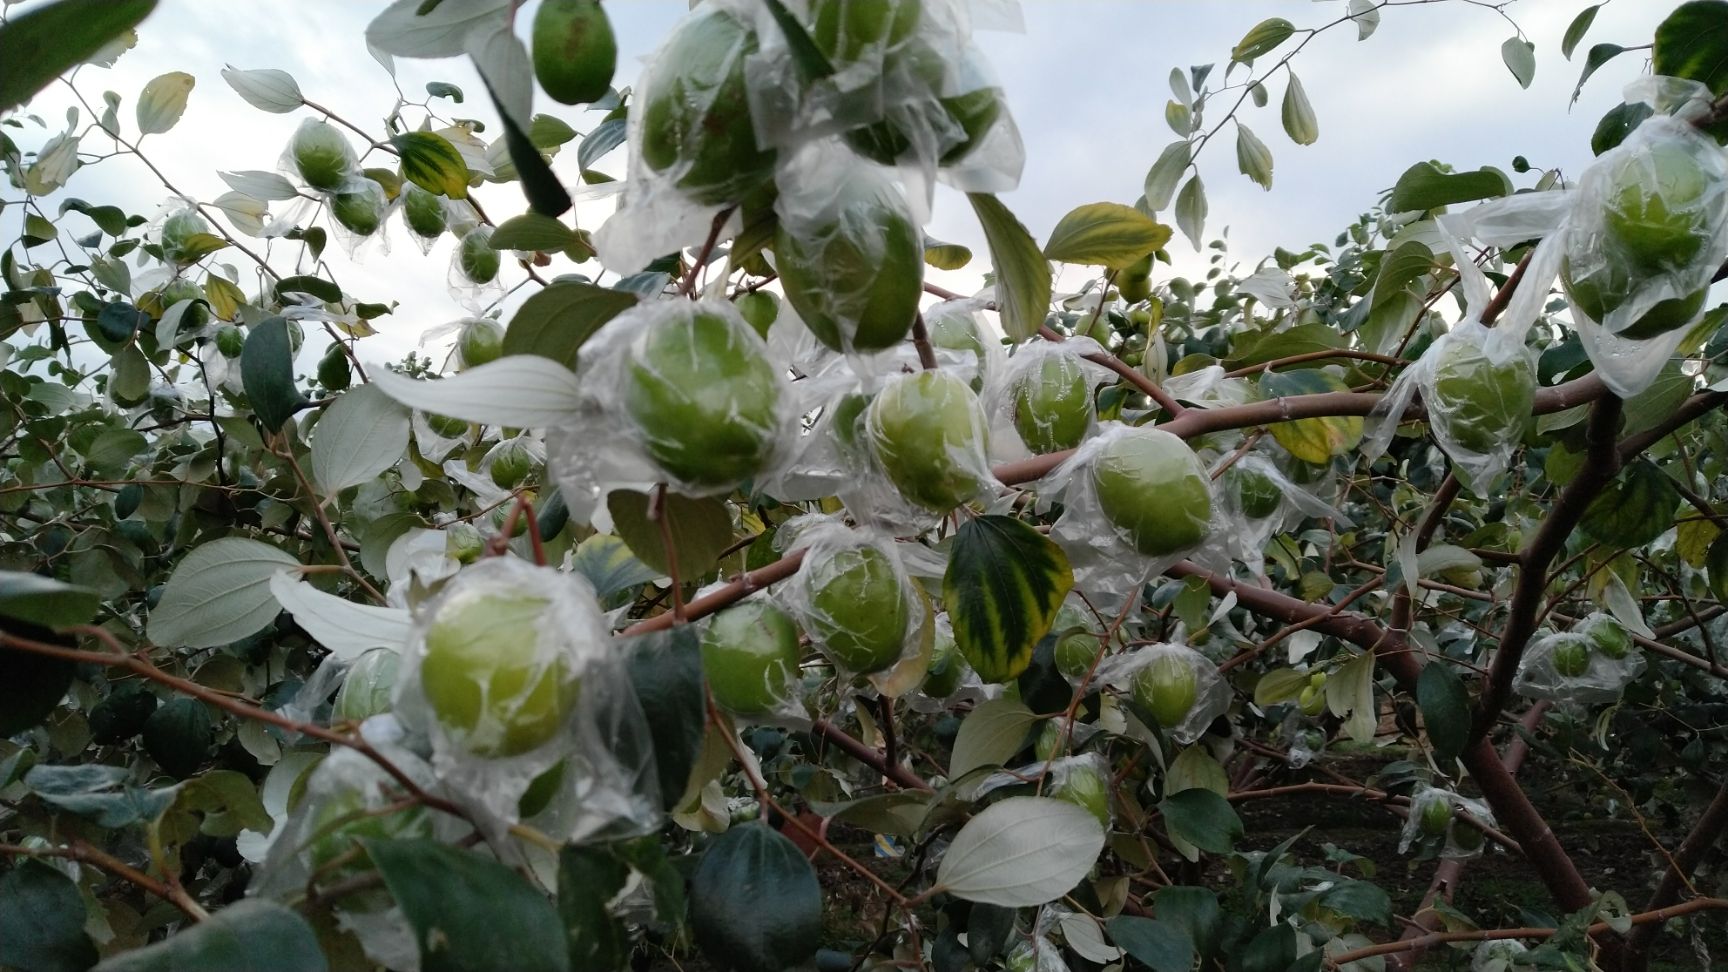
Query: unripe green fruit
[(342, 821), (574, 51), (1609, 637), (1084, 787), (1486, 404), (1600, 295), (1571, 658), (1167, 688), (511, 464), (849, 428), (480, 341), (854, 30), (230, 341), (476, 259), (1436, 817), (1053, 404), (1466, 838), (423, 211), (196, 314), (177, 232), (961, 121), (1135, 283), (946, 669), (1655, 198), (1153, 488), (1260, 495), (696, 110), (321, 155), (333, 371), (1075, 654), (446, 426), (856, 275), (1049, 741), (858, 609), (759, 308), (927, 431), (485, 679), (360, 212), (1312, 701), (367, 688), (705, 397), (463, 542), (501, 516), (750, 655)]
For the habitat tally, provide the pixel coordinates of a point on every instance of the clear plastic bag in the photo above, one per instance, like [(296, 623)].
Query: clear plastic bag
[(1571, 667), (750, 655), (320, 156), (852, 595), (1180, 687), (1041, 399), (1258, 500), (1434, 819), (928, 434)]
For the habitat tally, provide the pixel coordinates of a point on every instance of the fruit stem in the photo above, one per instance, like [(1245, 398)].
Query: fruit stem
[(921, 341)]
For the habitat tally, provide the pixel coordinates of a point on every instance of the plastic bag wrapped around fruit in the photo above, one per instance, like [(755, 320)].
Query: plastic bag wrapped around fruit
[(424, 214), (1258, 499), (848, 250), (1434, 820), (927, 433), (750, 656), (679, 392), (1591, 664), (1174, 685), (1083, 780), (1041, 399), (357, 215), (321, 156), (852, 594)]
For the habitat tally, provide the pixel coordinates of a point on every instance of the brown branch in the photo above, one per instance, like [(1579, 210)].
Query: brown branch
[(1712, 823), (1394, 803), (921, 342), (868, 756), (688, 286), (1497, 306), (85, 852)]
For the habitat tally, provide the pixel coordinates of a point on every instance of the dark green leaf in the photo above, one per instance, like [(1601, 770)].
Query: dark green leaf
[(44, 600), (1599, 55), (42, 921), (532, 231), (648, 856), (1445, 706), (1400, 268), (118, 320), (444, 89), (610, 566), (432, 163), (470, 913), (1162, 946), (1253, 349), (1272, 950), (178, 735), (39, 45), (1579, 26), (1195, 911), (589, 877), (31, 685), (546, 195), (1635, 510), (755, 904), (1693, 43), (811, 63), (1202, 818), (605, 137), (1004, 584), (555, 322), (98, 792), (267, 373), (1265, 36), (1423, 187), (318, 287), (255, 935), (1023, 281), (987, 930), (1716, 567), (1519, 56), (699, 529), (665, 668), (1617, 124), (1361, 900)]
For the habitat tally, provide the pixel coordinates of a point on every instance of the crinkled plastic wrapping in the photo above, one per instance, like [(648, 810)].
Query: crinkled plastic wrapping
[(1105, 560), (840, 564), (1500, 956), (927, 432), (962, 341), (331, 152), (476, 276), (1603, 678), (357, 217), (1243, 493), (568, 702), (1037, 954), (1211, 692), (848, 249), (1452, 847), (788, 704), (424, 214), (678, 392), (1041, 399), (1083, 780)]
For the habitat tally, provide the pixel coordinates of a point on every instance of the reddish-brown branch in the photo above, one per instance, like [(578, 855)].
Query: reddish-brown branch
[(921, 343), (1712, 823), (868, 755), (85, 852)]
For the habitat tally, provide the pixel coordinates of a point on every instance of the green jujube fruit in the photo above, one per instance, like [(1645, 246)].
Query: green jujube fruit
[(574, 51), (177, 233), (1259, 494), (230, 340), (705, 397), (1571, 658), (321, 155), (1486, 404), (485, 679), (1602, 294), (342, 821), (367, 688), (1656, 204), (1167, 688), (927, 431), (1608, 636), (360, 212), (1154, 489), (447, 426), (853, 30), (1053, 404), (511, 464), (750, 656), (858, 609), (1436, 817), (957, 123), (1075, 653), (476, 258), (759, 308), (333, 370), (696, 110), (481, 341), (855, 275), (1085, 788), (423, 211)]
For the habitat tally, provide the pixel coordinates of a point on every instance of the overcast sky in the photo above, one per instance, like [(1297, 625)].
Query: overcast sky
[(1087, 81)]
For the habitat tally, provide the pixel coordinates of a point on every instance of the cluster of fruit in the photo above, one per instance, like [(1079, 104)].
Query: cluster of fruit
[(1592, 663)]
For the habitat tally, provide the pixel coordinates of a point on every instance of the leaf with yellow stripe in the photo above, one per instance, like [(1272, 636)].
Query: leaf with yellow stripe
[(1004, 584), (1105, 234), (432, 163)]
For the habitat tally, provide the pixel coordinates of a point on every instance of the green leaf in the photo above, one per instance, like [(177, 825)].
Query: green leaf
[(1350, 692), (1191, 210), (1399, 269), (1004, 584), (1693, 43), (1301, 339), (1446, 708), (218, 594), (1314, 440), (227, 800), (1716, 567), (361, 435), (945, 256), (37, 230), (588, 878), (808, 58), (432, 163), (1580, 25), (665, 669), (1279, 685), (99, 792), (318, 287), (1599, 55), (470, 913), (1023, 281), (699, 530), (532, 231), (1253, 158), (1271, 950), (1636, 509), (267, 373), (266, 89), (1162, 946), (1105, 234), (1162, 178), (605, 137), (755, 902), (1265, 36), (44, 600), (1022, 851), (444, 89), (546, 195), (1616, 124), (610, 566), (41, 44), (163, 101), (1423, 187), (1519, 56), (1202, 818), (990, 735), (547, 132), (1195, 911), (42, 921), (31, 685), (558, 320), (256, 935), (1298, 115)]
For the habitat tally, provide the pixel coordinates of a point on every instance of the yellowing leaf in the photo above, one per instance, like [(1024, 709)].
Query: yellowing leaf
[(432, 163), (1314, 440), (163, 101), (1105, 234)]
